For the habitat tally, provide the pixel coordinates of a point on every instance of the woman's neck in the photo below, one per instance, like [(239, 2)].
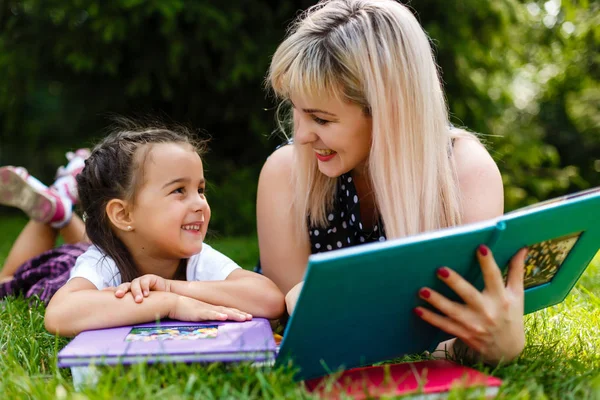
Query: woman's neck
[(366, 197)]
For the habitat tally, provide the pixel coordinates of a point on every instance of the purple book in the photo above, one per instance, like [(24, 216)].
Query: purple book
[(170, 341)]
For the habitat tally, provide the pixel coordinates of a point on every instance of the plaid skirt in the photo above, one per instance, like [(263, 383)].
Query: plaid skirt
[(43, 275)]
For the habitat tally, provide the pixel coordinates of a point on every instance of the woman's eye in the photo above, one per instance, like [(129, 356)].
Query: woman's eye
[(320, 121)]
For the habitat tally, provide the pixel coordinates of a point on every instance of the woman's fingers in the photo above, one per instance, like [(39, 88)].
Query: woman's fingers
[(444, 323), (452, 310), (492, 276), (517, 271), (461, 287)]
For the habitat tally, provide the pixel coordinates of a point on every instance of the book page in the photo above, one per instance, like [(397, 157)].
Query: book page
[(560, 199), (544, 259), (140, 334)]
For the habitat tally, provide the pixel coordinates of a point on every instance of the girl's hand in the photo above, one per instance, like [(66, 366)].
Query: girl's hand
[(188, 309), (490, 322), (141, 287)]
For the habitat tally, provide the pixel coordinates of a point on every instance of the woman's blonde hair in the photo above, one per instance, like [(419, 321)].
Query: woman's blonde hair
[(375, 54)]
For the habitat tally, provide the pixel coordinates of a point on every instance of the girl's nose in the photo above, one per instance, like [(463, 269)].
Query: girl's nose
[(199, 202)]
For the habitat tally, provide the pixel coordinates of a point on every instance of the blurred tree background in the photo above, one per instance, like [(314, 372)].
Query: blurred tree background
[(524, 73)]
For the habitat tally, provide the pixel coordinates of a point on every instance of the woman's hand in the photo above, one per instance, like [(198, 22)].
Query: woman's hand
[(141, 287), (490, 322), (188, 309)]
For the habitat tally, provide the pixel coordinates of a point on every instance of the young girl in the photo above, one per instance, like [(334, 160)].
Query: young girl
[(146, 214)]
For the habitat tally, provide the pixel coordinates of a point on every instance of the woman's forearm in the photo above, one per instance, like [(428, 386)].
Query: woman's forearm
[(72, 312), (254, 295)]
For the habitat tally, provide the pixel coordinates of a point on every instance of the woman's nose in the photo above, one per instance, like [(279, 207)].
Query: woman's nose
[(303, 134)]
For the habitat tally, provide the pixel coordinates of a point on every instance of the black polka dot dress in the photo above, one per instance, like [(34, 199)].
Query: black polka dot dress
[(344, 228)]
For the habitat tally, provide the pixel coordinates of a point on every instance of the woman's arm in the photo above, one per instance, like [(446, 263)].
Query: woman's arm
[(79, 306), (283, 250), (244, 290)]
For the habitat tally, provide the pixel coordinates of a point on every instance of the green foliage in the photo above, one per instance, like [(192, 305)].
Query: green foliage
[(524, 74)]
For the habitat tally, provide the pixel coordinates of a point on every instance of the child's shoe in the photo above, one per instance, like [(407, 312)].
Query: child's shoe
[(66, 184), (21, 190)]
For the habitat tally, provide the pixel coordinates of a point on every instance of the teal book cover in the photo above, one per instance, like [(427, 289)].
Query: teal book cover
[(356, 306)]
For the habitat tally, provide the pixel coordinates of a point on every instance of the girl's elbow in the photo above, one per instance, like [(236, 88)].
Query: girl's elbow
[(52, 321), (56, 325), (273, 304)]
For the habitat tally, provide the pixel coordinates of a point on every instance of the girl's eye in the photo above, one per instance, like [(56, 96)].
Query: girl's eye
[(320, 121), (178, 190), (202, 191)]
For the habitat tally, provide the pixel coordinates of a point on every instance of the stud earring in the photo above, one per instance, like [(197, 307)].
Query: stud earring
[(129, 227)]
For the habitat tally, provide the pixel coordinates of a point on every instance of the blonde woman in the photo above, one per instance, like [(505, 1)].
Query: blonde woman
[(374, 157)]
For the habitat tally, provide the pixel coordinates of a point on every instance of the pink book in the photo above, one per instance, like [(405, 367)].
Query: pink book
[(426, 379), (172, 341)]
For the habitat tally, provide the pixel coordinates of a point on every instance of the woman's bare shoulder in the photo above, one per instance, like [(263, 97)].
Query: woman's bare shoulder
[(479, 180), (279, 162)]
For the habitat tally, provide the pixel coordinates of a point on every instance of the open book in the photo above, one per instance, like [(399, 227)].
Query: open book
[(356, 306)]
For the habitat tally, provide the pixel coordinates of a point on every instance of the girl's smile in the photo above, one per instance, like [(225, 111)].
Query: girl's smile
[(194, 228)]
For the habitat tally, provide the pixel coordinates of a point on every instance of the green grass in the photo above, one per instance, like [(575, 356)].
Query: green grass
[(561, 359)]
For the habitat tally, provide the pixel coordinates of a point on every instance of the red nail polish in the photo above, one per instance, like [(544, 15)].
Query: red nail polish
[(443, 272), (424, 293), (483, 250), (418, 312)]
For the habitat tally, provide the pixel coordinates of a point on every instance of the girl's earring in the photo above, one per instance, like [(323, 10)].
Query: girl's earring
[(129, 228)]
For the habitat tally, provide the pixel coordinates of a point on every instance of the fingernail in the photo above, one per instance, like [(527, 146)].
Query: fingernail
[(145, 293), (138, 298), (443, 272), (418, 312), (424, 293), (483, 250)]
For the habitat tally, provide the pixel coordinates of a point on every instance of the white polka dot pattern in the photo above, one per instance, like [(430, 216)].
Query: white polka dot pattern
[(344, 227)]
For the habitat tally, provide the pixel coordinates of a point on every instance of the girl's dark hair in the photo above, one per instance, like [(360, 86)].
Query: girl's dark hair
[(114, 170)]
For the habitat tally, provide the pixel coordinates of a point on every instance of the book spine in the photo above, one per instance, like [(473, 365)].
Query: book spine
[(496, 235)]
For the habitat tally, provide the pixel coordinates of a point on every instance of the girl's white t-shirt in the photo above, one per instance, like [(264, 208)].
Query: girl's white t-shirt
[(101, 270)]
